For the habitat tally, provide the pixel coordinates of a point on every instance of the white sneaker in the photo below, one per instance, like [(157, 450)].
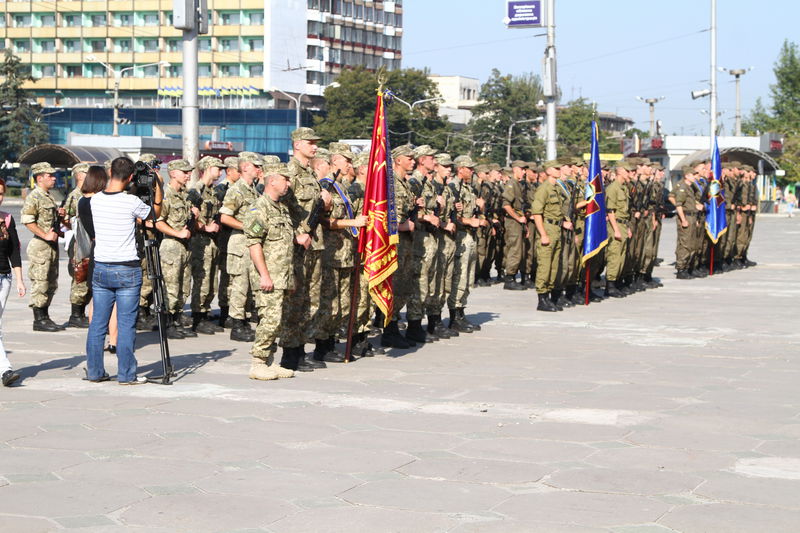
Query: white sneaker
[(141, 380)]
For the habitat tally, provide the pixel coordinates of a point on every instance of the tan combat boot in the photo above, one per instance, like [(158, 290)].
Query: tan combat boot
[(260, 370), (278, 369)]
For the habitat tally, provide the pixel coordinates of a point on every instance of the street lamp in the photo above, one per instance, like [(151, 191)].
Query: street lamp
[(652, 103), (411, 107), (296, 104), (508, 140), (117, 78), (737, 74)]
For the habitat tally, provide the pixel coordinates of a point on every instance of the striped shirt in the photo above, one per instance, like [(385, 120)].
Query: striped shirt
[(114, 216)]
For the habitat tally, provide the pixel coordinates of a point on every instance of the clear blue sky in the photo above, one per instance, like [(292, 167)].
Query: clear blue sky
[(612, 51)]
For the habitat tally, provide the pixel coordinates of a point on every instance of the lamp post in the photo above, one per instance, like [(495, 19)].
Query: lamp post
[(652, 103), (508, 140), (296, 104), (737, 74), (414, 104), (117, 78)]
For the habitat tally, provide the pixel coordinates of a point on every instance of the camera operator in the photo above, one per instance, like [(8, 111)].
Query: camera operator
[(117, 275)]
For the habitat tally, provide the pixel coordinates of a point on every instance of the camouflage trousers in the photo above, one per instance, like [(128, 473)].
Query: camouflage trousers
[(402, 282), (463, 270), (145, 297), (334, 300), (547, 259), (223, 288), (176, 270), (270, 314), (301, 310), (424, 273), (78, 292), (238, 264), (445, 257), (205, 258), (42, 271), (484, 248), (365, 305)]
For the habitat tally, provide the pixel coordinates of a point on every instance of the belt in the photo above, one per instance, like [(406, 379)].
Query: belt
[(236, 231), (553, 222), (690, 213), (624, 220)]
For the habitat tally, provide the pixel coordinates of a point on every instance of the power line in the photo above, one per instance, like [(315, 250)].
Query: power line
[(638, 47)]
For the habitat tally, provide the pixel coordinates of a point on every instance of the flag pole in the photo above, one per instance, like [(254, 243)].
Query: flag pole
[(588, 285), (711, 262)]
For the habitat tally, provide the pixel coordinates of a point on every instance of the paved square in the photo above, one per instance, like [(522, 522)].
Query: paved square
[(677, 409)]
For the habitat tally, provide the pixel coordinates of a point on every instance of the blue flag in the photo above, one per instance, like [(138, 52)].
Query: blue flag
[(596, 232), (716, 224)]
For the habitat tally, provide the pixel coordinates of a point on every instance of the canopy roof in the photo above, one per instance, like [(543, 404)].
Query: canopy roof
[(63, 156)]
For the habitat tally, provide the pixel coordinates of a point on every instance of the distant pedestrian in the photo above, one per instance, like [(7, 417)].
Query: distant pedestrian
[(10, 260), (791, 202)]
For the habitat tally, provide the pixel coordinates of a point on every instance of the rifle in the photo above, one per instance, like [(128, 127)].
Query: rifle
[(196, 200), (416, 189), (313, 217), (56, 219), (457, 198)]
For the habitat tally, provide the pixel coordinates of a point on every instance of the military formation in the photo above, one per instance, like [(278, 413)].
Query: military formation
[(275, 244)]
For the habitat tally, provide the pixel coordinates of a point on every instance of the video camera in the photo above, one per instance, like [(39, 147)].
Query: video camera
[(144, 179)]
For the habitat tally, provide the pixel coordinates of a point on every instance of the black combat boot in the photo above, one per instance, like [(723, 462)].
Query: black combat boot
[(200, 324), (612, 290), (77, 318), (545, 304), (511, 284), (288, 359), (392, 338), (306, 361), (41, 322), (554, 298), (436, 327), (174, 331), (47, 318), (187, 331), (457, 324), (241, 333), (144, 320), (223, 316), (464, 321), (415, 333)]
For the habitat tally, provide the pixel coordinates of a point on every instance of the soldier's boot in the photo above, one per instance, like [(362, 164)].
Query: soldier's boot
[(77, 318), (332, 355), (555, 298), (50, 320), (623, 284), (565, 299), (145, 321), (273, 365), (306, 361), (435, 329), (457, 324), (415, 333), (392, 338), (748, 263), (463, 319), (180, 322), (259, 370), (240, 333), (174, 331), (201, 325), (223, 316), (501, 276), (511, 284), (545, 304), (379, 319), (612, 290), (41, 322), (442, 330), (529, 282), (700, 272), (577, 295), (683, 274)]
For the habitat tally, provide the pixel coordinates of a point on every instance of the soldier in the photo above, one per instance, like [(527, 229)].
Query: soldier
[(224, 234), (145, 321), (469, 220), (425, 245), (619, 218), (686, 209), (656, 214), (176, 223), (529, 241), (748, 217), (234, 207), (42, 217), (516, 224), (548, 216), (484, 244), (270, 236), (306, 200), (204, 250), (78, 292), (445, 250), (500, 245)]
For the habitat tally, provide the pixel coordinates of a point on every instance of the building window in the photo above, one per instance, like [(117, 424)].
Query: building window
[(315, 52), (47, 21), (126, 70), (369, 14), (335, 55), (70, 45), (336, 7), (255, 45), (93, 70), (175, 71), (170, 19), (229, 45), (22, 45), (47, 71), (229, 71), (22, 21), (256, 70), (97, 20), (2, 21), (348, 9), (149, 45), (150, 19), (389, 19), (123, 19), (173, 45), (205, 44), (313, 4), (255, 18), (398, 20), (315, 28), (150, 71), (71, 21), (122, 45), (73, 71), (45, 45), (230, 18), (316, 78), (325, 5), (358, 11), (204, 70), (97, 45)]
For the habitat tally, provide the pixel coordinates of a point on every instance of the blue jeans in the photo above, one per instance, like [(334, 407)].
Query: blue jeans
[(120, 284)]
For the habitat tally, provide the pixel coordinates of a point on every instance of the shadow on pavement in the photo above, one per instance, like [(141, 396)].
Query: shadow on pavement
[(185, 364)]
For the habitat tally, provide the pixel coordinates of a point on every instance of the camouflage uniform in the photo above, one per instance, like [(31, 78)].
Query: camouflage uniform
[(402, 281), (78, 292), (40, 208), (425, 247), (365, 305), (466, 253), (175, 268), (236, 204), (205, 253)]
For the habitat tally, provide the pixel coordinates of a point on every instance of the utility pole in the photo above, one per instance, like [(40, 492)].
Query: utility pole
[(191, 16), (713, 96), (737, 73), (550, 91), (652, 103)]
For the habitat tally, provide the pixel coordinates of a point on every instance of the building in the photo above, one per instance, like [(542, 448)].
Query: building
[(459, 95), (254, 54), (613, 124)]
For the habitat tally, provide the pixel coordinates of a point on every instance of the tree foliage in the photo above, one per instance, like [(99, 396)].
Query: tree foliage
[(350, 108), (20, 122)]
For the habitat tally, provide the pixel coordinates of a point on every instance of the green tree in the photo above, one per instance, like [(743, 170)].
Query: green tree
[(350, 108), (505, 99), (574, 125), (20, 122)]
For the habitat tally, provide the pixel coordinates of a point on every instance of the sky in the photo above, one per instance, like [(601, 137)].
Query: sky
[(613, 51)]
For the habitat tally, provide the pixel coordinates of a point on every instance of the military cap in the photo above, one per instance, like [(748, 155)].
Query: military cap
[(464, 161), (80, 167), (657, 166), (519, 164), (423, 150), (494, 166), (578, 161), (147, 158), (342, 149), (736, 164), (552, 163), (506, 171), (482, 168), (443, 159), (361, 159), (305, 134), (180, 164), (625, 164), (748, 168), (232, 162), (687, 169), (535, 167), (604, 164), (42, 168), (403, 150), (277, 168), (271, 159), (324, 154), (251, 157), (208, 162)]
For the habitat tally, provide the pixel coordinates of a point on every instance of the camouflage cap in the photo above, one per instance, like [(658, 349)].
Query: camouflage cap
[(495, 167), (281, 169), (482, 168), (80, 167), (305, 134), (443, 159), (403, 150), (625, 164), (208, 162), (251, 157), (323, 154), (147, 158), (519, 164), (551, 163), (643, 161), (464, 161), (42, 168), (747, 168), (535, 167), (232, 162), (604, 164), (736, 164), (687, 169), (271, 159), (180, 164), (361, 159), (657, 166), (506, 171), (425, 149), (342, 149), (578, 161)]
